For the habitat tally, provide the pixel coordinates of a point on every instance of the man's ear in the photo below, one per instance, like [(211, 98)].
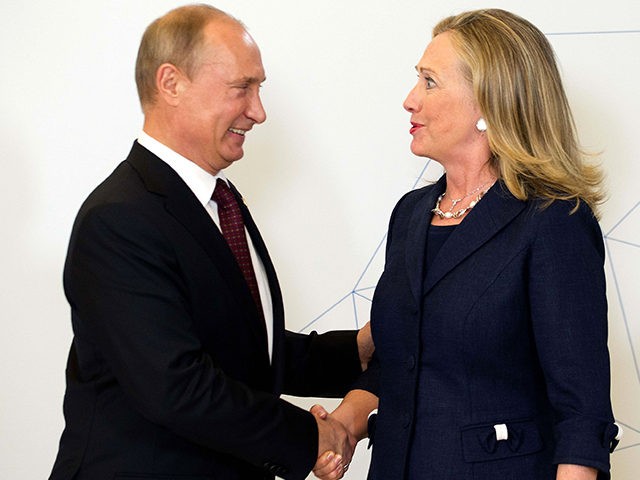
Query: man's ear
[(170, 83)]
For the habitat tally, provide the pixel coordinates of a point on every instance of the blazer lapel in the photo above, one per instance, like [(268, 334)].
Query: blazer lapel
[(496, 209), (263, 253), (182, 204), (417, 237), (277, 371)]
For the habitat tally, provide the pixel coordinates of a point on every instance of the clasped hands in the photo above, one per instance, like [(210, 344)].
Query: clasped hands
[(335, 447), (340, 431)]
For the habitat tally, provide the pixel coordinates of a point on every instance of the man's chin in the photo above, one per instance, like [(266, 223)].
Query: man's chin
[(230, 160)]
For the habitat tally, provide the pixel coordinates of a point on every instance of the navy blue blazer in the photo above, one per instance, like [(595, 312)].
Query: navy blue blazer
[(505, 335), (169, 373)]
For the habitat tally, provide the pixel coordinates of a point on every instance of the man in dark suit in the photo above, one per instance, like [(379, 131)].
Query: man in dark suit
[(179, 352)]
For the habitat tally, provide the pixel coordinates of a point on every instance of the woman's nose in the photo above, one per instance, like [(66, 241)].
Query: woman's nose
[(411, 103)]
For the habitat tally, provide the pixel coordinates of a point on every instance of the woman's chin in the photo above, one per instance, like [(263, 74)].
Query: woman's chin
[(418, 150)]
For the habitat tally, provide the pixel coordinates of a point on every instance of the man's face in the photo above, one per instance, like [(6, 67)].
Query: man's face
[(221, 102)]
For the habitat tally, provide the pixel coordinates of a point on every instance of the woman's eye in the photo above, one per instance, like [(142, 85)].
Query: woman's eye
[(430, 82)]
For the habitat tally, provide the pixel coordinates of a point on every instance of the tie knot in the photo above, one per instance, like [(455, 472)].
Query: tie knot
[(222, 194)]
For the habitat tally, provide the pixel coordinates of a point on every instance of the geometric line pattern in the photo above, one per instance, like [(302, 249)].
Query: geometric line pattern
[(359, 291), (628, 427), (603, 32), (610, 238)]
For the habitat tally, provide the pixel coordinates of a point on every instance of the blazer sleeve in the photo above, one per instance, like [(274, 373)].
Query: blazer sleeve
[(321, 365), (369, 380), (569, 318), (129, 300)]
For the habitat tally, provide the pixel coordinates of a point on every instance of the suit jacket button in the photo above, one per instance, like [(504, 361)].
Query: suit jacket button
[(277, 470), (406, 420), (411, 362)]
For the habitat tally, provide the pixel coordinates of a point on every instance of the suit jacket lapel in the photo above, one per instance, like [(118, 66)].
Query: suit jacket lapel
[(182, 204), (263, 253), (417, 237), (277, 361), (496, 209)]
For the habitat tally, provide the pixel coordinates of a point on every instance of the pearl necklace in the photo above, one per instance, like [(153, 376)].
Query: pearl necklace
[(449, 214)]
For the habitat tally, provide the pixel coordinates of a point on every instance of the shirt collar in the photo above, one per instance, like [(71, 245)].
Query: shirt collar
[(201, 182)]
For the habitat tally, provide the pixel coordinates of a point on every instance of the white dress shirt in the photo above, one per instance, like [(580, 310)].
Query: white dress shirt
[(202, 184)]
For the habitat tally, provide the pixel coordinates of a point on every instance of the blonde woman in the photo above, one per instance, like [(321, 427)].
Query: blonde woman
[(490, 319)]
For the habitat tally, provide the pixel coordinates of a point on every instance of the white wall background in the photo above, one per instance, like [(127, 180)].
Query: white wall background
[(321, 176)]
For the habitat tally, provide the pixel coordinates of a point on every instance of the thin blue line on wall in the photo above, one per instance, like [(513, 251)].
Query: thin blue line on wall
[(366, 269), (625, 425), (325, 312), (627, 447), (631, 244), (603, 32), (355, 310), (624, 217), (424, 169)]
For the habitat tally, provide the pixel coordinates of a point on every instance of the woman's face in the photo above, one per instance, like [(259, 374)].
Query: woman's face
[(442, 106)]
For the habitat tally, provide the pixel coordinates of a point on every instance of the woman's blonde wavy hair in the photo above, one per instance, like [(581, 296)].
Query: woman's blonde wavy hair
[(512, 69)]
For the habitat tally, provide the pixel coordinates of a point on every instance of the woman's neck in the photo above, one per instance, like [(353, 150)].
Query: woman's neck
[(465, 188), (464, 181)]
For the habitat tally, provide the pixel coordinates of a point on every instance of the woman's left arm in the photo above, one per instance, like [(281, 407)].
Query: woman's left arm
[(569, 317), (576, 472)]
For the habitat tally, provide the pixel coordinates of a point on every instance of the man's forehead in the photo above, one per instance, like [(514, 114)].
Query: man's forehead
[(227, 32), (220, 45)]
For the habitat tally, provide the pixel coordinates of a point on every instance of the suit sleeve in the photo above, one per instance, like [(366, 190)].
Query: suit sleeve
[(321, 365), (569, 317), (129, 300)]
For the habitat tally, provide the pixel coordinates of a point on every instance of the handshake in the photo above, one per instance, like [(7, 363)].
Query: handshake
[(340, 431), (336, 444)]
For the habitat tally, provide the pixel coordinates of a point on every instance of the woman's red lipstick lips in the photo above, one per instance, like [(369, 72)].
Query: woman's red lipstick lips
[(414, 127)]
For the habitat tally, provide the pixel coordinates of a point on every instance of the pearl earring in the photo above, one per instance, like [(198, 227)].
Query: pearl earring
[(481, 125)]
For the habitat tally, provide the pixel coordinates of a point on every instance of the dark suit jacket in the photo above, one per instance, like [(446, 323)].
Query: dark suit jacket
[(508, 326), (169, 374)]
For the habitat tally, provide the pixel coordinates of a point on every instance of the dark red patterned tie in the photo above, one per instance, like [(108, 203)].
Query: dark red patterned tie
[(232, 227)]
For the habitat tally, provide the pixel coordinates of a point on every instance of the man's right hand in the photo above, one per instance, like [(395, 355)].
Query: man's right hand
[(335, 446)]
